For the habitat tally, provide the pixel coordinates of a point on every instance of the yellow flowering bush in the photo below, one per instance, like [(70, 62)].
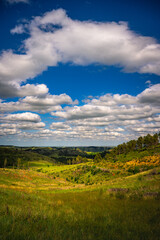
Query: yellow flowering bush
[(143, 163)]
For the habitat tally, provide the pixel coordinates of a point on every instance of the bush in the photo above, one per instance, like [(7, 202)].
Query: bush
[(134, 170), (120, 195)]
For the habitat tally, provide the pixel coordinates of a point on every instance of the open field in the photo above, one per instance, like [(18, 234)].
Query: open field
[(36, 205), (115, 197)]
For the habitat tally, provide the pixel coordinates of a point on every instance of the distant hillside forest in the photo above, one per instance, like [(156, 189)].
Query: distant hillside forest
[(20, 156), (142, 142)]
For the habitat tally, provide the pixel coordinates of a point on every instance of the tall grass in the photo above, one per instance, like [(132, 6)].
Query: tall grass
[(77, 216)]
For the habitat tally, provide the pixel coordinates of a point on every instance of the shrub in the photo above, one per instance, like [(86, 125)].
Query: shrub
[(120, 195)]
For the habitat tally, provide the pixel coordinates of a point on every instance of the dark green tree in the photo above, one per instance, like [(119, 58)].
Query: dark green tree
[(97, 158), (140, 143)]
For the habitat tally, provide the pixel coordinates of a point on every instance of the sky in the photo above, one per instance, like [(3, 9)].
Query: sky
[(78, 73)]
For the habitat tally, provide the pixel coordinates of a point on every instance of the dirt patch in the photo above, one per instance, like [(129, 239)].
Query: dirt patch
[(150, 194), (119, 190)]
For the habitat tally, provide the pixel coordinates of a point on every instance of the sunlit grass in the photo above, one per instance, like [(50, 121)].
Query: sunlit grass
[(74, 215), (48, 202)]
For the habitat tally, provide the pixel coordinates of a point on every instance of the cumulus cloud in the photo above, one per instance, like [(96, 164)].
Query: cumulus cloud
[(60, 125), (123, 107), (15, 90), (26, 116), (108, 117), (48, 100), (11, 124), (122, 112), (112, 116), (8, 131), (42, 103), (24, 126), (55, 38), (150, 95)]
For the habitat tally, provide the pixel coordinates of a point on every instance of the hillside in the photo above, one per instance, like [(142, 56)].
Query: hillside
[(15, 157), (113, 195)]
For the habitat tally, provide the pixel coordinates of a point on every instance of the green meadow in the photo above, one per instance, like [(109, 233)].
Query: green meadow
[(35, 205), (96, 199)]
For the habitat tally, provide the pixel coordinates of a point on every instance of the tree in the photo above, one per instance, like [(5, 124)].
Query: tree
[(148, 140), (18, 162), (155, 139), (69, 162), (97, 158), (5, 162), (78, 159), (74, 161), (140, 143), (131, 145)]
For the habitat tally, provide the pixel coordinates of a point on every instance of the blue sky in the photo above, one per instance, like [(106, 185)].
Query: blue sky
[(78, 72)]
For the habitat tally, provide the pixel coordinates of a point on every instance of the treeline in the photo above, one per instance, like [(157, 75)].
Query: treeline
[(10, 156), (59, 152), (142, 142), (62, 155), (78, 159)]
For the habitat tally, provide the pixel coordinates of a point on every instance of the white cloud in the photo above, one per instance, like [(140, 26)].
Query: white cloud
[(60, 125), (23, 126), (42, 103), (15, 90), (26, 116), (123, 107), (105, 118), (85, 43), (150, 95), (113, 116), (12, 123), (8, 131), (18, 29), (48, 100), (56, 38)]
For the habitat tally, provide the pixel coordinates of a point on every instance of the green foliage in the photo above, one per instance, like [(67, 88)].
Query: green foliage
[(5, 162), (97, 158), (146, 141), (84, 199), (134, 170), (11, 155)]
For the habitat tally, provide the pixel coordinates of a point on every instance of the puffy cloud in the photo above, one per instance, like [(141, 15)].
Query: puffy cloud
[(42, 103), (81, 112), (121, 107), (14, 123), (89, 42), (23, 126), (91, 111), (8, 131), (48, 100), (9, 90), (111, 117), (26, 116), (60, 125), (105, 118), (55, 38), (26, 67), (150, 95)]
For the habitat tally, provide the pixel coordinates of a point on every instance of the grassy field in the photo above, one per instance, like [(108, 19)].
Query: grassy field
[(39, 203), (74, 215), (109, 198)]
